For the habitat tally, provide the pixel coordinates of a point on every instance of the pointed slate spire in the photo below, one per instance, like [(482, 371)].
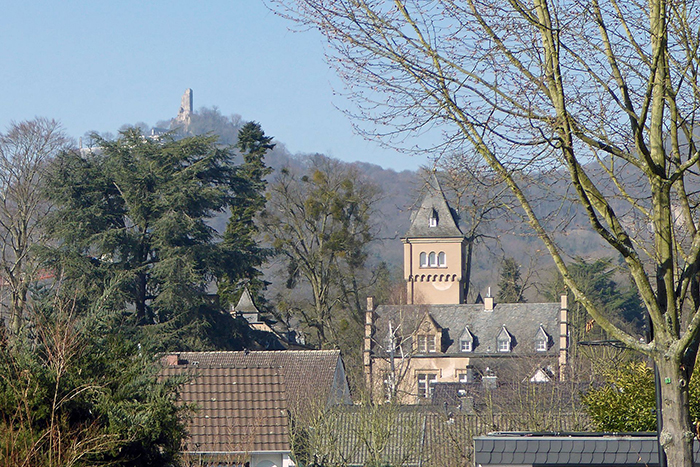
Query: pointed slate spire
[(246, 308), (433, 218)]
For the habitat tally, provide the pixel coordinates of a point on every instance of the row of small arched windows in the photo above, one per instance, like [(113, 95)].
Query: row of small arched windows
[(433, 260)]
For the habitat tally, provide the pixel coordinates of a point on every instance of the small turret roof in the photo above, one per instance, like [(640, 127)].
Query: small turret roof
[(245, 303), (434, 204)]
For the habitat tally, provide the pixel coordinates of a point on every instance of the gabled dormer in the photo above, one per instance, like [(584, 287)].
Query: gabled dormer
[(428, 336), (504, 340), (542, 340), (467, 341)]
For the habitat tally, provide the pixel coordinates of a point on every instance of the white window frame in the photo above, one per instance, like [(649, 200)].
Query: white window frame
[(423, 257), (432, 260), (441, 260), (541, 345), (426, 343), (503, 345), (433, 219), (425, 384), (465, 345)]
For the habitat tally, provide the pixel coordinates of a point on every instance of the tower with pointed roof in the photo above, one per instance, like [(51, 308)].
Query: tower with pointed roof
[(434, 251)]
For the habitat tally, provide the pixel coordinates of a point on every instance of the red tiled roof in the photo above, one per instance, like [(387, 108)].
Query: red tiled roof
[(308, 374), (238, 410)]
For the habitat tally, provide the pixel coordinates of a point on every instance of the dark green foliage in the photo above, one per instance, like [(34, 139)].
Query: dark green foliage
[(82, 394), (240, 238), (598, 282), (626, 401), (132, 233), (510, 284)]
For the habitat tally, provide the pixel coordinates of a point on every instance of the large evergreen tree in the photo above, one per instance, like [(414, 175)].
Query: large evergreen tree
[(131, 224)]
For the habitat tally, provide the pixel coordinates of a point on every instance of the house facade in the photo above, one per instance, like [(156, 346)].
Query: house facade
[(438, 338)]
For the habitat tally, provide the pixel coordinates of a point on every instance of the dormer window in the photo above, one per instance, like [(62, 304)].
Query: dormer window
[(426, 343), (505, 340), (541, 340), (466, 341), (433, 218)]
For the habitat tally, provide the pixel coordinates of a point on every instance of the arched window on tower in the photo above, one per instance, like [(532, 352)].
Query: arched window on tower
[(424, 260), (441, 259), (432, 259)]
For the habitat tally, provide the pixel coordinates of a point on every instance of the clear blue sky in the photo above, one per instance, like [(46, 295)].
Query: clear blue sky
[(96, 65)]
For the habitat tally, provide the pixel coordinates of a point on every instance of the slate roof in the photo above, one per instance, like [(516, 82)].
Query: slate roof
[(522, 320), (433, 200), (309, 375), (575, 449), (245, 303), (238, 410)]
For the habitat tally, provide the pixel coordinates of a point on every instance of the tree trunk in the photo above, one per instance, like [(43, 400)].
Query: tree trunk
[(675, 435), (18, 303)]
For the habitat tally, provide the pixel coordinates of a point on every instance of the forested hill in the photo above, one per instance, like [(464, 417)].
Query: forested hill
[(505, 235)]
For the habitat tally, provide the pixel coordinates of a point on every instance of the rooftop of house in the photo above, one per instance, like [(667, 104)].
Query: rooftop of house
[(594, 449), (522, 321), (310, 376), (237, 410), (396, 435)]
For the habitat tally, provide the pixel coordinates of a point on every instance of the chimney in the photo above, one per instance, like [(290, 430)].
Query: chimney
[(488, 301), (563, 337), (172, 360), (367, 351)]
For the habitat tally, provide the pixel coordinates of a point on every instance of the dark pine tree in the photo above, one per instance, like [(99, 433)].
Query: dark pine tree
[(240, 238)]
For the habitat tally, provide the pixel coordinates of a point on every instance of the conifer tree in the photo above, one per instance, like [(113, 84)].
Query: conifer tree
[(510, 285), (241, 230)]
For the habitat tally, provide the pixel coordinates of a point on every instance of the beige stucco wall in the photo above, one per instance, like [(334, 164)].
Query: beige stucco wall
[(434, 285), (446, 368)]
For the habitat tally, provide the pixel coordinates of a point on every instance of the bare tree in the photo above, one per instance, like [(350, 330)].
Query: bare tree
[(479, 197), (321, 222), (606, 92), (26, 150)]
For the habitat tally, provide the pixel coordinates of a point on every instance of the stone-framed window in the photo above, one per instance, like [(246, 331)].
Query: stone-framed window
[(425, 383), (426, 343)]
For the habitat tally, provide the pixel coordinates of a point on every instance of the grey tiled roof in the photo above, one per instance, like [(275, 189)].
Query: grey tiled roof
[(396, 435), (237, 410), (309, 375), (434, 200), (522, 320), (529, 449)]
